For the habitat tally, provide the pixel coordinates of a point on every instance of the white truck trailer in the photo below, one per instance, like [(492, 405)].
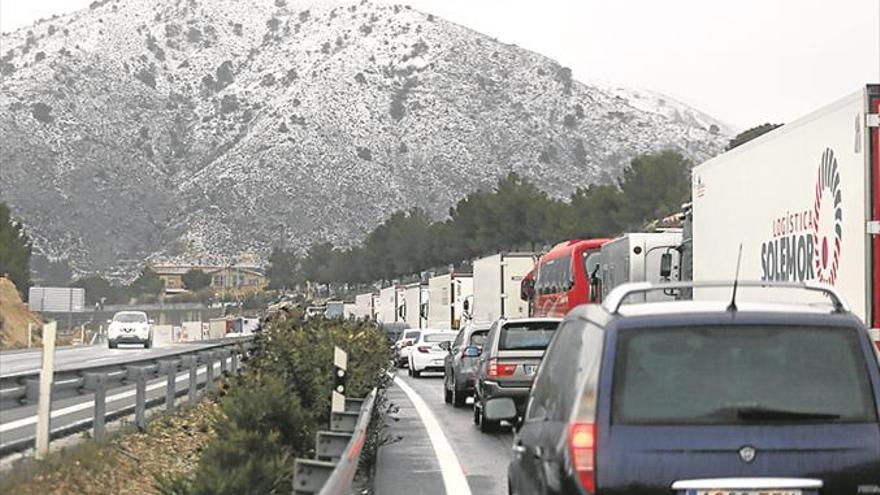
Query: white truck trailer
[(415, 305), (390, 303), (804, 203), (497, 280), (637, 257), (363, 306), (446, 296)]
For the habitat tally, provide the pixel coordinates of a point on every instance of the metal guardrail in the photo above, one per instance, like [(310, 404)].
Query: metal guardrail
[(22, 389), (338, 451)]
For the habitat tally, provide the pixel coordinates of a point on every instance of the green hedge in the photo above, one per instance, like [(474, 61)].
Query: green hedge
[(270, 414)]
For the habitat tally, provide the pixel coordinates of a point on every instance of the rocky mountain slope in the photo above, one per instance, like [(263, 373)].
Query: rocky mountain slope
[(198, 128)]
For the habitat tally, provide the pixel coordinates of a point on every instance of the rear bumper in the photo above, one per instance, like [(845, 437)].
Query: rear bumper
[(427, 362), (129, 339), (493, 390)]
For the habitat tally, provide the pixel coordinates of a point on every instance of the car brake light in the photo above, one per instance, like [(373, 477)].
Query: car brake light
[(582, 450), (497, 369), (424, 349)]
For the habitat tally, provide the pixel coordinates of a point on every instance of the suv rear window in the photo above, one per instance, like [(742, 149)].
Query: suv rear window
[(412, 335), (439, 337), (531, 336), (479, 337), (741, 375)]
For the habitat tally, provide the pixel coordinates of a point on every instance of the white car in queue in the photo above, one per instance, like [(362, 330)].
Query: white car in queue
[(130, 327), (428, 352)]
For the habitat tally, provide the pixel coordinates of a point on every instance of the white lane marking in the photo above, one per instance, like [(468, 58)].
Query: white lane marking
[(454, 480), (98, 360), (13, 425)]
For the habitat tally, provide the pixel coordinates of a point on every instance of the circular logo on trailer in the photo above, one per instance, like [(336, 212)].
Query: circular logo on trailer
[(827, 219), (747, 454)]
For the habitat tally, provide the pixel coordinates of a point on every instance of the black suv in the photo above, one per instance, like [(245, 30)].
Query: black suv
[(693, 397)]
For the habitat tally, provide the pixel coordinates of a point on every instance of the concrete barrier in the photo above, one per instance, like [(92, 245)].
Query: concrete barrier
[(217, 328), (190, 331), (162, 335)]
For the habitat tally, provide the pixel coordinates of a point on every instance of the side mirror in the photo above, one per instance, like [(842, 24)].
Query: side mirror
[(471, 351), (500, 408), (666, 265), (109, 321), (466, 304)]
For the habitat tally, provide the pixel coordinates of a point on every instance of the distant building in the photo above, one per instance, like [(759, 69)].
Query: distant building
[(226, 277)]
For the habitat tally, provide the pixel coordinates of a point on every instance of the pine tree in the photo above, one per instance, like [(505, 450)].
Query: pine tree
[(15, 250)]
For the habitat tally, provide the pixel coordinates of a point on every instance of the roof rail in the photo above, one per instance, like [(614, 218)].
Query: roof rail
[(619, 294)]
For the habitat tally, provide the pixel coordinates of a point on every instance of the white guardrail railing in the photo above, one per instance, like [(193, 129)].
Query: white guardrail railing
[(337, 452)]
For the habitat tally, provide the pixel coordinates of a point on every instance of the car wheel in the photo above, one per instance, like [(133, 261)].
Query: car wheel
[(447, 395), (458, 396), (487, 426), (476, 413), (148, 343), (416, 373), (111, 344)]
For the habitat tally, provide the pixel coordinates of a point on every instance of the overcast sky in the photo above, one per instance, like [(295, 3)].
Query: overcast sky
[(745, 62)]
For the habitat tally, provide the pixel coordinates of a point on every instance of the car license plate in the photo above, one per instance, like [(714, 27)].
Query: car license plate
[(530, 369), (743, 492)]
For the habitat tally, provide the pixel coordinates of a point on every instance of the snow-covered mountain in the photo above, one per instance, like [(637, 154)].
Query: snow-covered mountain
[(207, 128)]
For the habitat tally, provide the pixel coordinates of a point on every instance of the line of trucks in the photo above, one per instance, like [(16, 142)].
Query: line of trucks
[(798, 204)]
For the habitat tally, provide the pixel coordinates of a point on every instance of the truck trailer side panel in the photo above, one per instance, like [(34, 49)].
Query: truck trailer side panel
[(798, 200), (497, 280)]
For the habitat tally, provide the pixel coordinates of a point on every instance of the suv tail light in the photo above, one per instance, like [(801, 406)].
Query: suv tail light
[(497, 369), (424, 349), (582, 451)]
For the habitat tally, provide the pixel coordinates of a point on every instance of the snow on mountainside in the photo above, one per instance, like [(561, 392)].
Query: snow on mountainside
[(198, 128)]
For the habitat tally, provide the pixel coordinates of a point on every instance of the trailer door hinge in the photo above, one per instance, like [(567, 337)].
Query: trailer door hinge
[(874, 228), (872, 120)]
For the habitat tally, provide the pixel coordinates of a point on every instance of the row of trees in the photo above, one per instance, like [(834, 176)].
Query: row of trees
[(15, 250), (515, 215), (148, 283)]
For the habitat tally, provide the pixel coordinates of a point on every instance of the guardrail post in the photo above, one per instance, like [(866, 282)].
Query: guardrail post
[(234, 362), (97, 382), (208, 359), (223, 355), (169, 368), (192, 364), (138, 374)]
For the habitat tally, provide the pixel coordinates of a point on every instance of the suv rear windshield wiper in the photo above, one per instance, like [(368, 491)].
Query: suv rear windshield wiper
[(763, 413)]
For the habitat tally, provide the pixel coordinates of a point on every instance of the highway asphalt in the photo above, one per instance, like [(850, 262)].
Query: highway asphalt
[(413, 462), (17, 424), (14, 362)]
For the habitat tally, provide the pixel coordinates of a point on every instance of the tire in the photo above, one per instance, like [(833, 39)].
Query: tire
[(458, 397), (111, 344), (416, 373), (148, 343), (447, 395), (487, 426), (476, 414)]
